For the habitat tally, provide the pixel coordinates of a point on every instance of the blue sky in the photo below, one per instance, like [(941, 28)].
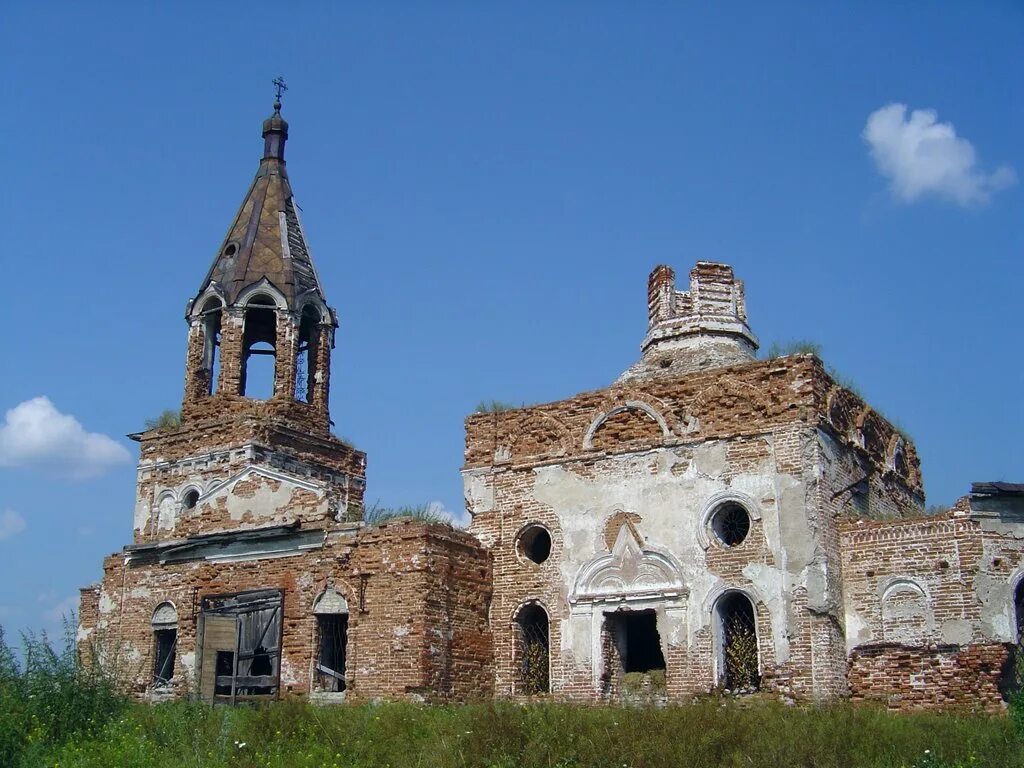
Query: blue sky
[(485, 188)]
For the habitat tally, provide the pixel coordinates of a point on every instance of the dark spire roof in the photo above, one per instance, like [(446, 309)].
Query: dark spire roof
[(266, 238)]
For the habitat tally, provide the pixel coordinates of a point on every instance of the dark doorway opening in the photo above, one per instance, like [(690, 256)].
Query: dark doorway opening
[(330, 667), (534, 672), (225, 672), (636, 639)]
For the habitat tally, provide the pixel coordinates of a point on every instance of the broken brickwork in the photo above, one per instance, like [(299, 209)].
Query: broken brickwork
[(416, 599), (251, 574), (702, 474), (906, 677), (708, 521)]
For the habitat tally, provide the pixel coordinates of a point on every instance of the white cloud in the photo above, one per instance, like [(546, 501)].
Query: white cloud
[(11, 524), (35, 434), (56, 613), (458, 520), (438, 508), (921, 156)]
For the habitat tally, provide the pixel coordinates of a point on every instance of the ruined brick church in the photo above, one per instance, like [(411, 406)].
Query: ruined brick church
[(709, 521)]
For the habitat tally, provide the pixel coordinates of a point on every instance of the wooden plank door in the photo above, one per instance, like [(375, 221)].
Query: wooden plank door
[(220, 636)]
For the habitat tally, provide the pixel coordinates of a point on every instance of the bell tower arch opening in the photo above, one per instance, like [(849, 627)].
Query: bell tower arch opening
[(306, 360), (211, 313), (259, 349)]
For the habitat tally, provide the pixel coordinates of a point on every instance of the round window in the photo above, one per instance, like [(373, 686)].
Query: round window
[(730, 523), (534, 543), (190, 500)]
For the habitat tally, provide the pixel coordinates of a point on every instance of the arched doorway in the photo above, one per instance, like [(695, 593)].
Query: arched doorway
[(533, 645), (739, 663)]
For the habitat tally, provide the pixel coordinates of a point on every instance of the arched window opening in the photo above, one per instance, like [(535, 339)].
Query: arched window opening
[(738, 655), (1018, 607), (899, 460), (165, 642), (211, 317), (534, 648), (331, 611), (259, 350), (305, 363), (1012, 681), (190, 499)]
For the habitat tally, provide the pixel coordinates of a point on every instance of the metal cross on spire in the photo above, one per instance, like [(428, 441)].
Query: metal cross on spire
[(279, 88)]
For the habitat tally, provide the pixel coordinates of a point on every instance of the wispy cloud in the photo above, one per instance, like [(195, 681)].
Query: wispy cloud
[(921, 156), (35, 434), (63, 608), (460, 519), (11, 524)]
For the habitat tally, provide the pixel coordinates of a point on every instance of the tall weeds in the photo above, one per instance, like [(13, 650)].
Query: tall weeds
[(47, 696), (57, 711)]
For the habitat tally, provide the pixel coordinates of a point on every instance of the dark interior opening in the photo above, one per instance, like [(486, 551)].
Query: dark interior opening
[(534, 646), (190, 500), (738, 637), (333, 631), (225, 669), (260, 666), (211, 344), (259, 352), (636, 638), (305, 364), (535, 543), (731, 524), (163, 664), (1018, 605)]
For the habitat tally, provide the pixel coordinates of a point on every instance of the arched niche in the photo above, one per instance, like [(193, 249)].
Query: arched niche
[(640, 419)]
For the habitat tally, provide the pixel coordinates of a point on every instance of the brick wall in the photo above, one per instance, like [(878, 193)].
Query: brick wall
[(929, 677), (676, 442), (325, 478), (417, 597)]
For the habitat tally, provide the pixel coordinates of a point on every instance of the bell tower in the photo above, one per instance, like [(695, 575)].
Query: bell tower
[(260, 329), (254, 446)]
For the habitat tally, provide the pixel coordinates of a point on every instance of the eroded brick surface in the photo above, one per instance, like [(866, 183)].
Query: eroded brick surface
[(704, 496)]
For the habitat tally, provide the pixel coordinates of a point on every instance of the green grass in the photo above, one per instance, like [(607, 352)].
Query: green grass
[(426, 513), (799, 347), (710, 733), (496, 406), (55, 713), (169, 418)]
